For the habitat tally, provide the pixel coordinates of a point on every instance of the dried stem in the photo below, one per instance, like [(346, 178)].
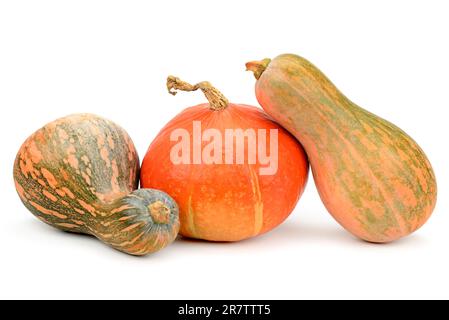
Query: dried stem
[(217, 100)]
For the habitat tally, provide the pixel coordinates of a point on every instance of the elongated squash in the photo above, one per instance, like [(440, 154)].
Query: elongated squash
[(80, 174), (372, 177), (247, 188)]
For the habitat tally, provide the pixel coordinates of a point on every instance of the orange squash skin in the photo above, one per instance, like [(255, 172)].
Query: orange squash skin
[(80, 174), (371, 176), (227, 202)]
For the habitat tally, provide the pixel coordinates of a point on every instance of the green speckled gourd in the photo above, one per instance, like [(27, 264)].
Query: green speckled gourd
[(80, 174)]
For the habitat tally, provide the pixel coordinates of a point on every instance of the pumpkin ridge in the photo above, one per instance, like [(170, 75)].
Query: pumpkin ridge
[(258, 203)]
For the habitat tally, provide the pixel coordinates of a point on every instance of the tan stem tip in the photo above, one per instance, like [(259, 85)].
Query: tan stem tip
[(217, 100), (258, 67), (159, 212)]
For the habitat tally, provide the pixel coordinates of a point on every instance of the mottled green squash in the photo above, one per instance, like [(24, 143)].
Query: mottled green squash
[(372, 177), (80, 174)]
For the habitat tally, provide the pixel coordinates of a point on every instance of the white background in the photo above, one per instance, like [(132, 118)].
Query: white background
[(112, 58)]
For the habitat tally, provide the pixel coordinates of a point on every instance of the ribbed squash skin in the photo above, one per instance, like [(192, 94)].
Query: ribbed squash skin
[(372, 177), (80, 174)]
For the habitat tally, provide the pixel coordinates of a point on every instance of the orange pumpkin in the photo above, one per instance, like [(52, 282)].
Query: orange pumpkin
[(373, 178), (222, 200)]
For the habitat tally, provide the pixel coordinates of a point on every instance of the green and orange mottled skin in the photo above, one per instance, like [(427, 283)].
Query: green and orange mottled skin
[(372, 177), (223, 202), (80, 174)]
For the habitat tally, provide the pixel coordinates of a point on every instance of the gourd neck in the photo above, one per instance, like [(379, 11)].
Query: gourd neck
[(257, 67), (217, 101)]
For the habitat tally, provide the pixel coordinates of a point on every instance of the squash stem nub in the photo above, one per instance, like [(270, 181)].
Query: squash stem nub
[(217, 101)]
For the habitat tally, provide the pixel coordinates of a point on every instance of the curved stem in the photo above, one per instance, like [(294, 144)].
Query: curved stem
[(258, 67), (217, 101)]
